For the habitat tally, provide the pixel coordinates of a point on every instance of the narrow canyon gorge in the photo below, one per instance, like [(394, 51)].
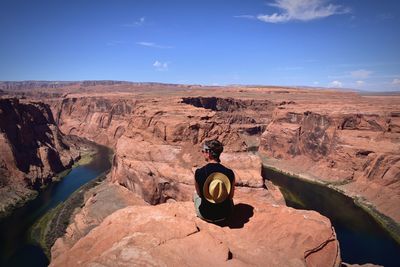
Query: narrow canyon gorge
[(143, 212)]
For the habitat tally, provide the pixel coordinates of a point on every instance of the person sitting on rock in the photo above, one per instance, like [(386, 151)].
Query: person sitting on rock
[(214, 184)]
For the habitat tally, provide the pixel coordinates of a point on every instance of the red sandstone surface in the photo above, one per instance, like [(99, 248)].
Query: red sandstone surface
[(262, 233), (32, 149), (347, 140), (342, 138)]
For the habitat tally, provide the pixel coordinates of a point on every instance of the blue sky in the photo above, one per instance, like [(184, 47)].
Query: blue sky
[(349, 43)]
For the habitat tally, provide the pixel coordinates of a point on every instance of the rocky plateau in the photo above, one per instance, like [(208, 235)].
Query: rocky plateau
[(341, 139)]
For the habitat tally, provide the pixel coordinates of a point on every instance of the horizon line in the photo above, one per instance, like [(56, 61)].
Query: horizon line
[(201, 85)]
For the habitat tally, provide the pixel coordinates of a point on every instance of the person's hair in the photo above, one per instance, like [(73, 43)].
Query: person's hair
[(215, 148)]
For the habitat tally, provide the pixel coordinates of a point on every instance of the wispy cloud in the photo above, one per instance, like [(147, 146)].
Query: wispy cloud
[(336, 84), (245, 17), (137, 23), (301, 10), (160, 66), (361, 74), (359, 83), (396, 81), (153, 45)]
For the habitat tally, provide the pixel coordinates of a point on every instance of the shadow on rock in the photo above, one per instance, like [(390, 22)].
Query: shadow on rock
[(240, 216)]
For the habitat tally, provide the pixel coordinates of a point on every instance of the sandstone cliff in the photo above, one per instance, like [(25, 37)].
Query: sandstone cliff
[(352, 143), (344, 139), (262, 233), (32, 148), (100, 119), (157, 148), (157, 140)]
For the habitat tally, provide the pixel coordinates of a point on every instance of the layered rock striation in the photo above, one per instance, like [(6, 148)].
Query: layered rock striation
[(155, 157), (352, 144), (339, 138), (157, 140), (342, 139), (100, 119), (32, 148)]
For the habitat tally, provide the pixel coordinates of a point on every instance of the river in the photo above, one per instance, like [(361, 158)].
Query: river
[(15, 247), (362, 240)]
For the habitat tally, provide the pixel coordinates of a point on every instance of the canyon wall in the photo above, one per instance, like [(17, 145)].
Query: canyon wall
[(98, 119), (157, 140), (32, 148), (344, 139), (352, 145)]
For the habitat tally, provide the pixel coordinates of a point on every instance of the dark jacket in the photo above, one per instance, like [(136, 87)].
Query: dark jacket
[(214, 211)]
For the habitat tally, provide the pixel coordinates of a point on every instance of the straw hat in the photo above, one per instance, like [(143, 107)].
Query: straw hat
[(217, 187)]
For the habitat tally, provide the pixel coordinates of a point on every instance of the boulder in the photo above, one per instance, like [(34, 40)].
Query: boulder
[(258, 234)]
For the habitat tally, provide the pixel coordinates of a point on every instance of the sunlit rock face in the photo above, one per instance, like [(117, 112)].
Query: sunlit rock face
[(32, 148), (99, 202), (349, 141), (157, 140), (260, 234), (341, 138), (346, 139), (98, 119)]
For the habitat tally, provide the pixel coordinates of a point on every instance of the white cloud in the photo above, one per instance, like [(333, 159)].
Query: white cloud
[(396, 81), (274, 18), (360, 82), (337, 84), (161, 66), (302, 10), (137, 23), (360, 73), (141, 21), (153, 45)]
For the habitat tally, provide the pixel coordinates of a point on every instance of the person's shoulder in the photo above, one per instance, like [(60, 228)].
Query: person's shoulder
[(228, 170), (200, 170), (231, 172)]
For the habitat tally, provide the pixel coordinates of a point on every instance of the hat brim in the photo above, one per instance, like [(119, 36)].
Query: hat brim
[(216, 176)]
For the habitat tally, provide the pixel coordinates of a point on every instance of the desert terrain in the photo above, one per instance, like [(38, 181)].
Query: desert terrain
[(344, 140)]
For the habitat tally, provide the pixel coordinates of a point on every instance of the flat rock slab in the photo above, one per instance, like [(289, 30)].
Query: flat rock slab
[(259, 234), (100, 202)]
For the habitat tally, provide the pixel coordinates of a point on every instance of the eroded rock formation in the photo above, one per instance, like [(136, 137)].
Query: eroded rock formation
[(157, 140), (351, 144), (344, 139), (100, 202), (261, 233), (32, 148), (100, 119)]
